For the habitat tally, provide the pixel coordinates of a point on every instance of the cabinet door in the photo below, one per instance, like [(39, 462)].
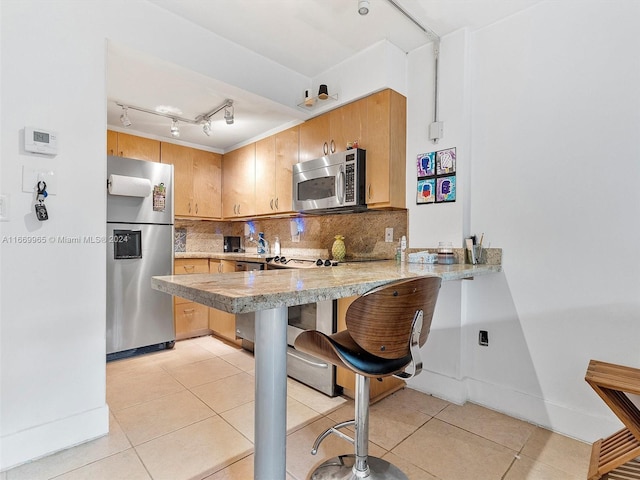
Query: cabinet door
[(191, 319), (314, 138), (180, 158), (207, 184), (266, 172), (139, 148), (112, 142), (222, 324), (348, 124), (238, 182), (385, 143), (286, 157)]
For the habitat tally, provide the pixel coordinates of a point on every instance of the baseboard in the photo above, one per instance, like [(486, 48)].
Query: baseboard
[(441, 386), (557, 418), (41, 440)]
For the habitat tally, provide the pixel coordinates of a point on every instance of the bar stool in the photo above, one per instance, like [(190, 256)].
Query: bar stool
[(385, 329)]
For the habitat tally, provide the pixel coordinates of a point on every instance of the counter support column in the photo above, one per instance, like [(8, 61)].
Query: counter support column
[(271, 394)]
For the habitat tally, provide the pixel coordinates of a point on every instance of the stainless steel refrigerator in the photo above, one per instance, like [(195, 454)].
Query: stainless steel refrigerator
[(139, 246)]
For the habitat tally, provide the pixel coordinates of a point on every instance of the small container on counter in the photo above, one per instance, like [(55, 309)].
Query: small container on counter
[(445, 253)]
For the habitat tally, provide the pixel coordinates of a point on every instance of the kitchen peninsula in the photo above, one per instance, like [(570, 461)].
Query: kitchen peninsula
[(269, 293)]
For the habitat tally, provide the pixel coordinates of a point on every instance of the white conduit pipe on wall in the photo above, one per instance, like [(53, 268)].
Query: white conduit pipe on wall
[(435, 129)]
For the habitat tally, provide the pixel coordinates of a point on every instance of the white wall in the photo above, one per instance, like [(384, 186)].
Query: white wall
[(52, 302), (551, 141)]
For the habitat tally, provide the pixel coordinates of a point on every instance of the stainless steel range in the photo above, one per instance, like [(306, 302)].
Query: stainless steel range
[(320, 316)]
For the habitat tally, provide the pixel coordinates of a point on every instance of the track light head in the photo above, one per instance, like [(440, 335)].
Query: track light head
[(124, 118), (175, 130), (228, 115), (363, 7), (206, 128)]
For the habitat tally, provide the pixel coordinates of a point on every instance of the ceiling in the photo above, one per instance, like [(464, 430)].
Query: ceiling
[(306, 36)]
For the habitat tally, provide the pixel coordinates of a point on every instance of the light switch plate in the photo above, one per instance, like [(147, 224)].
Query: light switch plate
[(388, 234), (31, 176)]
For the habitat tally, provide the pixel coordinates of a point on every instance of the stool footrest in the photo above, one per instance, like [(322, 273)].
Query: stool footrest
[(335, 431)]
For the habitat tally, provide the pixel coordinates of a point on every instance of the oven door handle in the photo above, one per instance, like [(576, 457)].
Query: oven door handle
[(340, 186), (318, 364)]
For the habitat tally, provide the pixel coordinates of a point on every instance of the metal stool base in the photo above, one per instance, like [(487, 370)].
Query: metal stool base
[(341, 468)]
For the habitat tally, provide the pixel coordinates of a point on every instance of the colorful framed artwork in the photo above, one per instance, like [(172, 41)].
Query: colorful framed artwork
[(426, 164), (436, 182), (446, 189), (446, 161), (426, 191)]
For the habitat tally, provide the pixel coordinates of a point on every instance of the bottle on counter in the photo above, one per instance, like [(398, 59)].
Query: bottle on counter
[(403, 249), (276, 246), (262, 244)]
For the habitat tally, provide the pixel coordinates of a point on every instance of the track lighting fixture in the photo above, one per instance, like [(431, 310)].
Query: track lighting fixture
[(363, 7), (204, 119), (228, 114), (124, 118), (206, 128), (175, 130)]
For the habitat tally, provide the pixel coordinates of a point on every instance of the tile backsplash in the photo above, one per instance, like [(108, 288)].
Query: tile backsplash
[(364, 232)]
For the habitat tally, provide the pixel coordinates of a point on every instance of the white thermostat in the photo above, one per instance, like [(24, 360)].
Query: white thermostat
[(37, 140)]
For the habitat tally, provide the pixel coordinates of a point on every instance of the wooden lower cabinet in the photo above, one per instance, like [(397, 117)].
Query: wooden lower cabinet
[(223, 324), (347, 379), (191, 318)]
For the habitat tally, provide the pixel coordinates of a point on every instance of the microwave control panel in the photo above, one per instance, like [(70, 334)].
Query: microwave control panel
[(350, 182)]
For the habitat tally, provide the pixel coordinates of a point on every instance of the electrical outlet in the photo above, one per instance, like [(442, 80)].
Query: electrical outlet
[(483, 338), (388, 234)]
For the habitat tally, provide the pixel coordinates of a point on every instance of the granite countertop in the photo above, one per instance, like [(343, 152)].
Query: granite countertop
[(242, 292)]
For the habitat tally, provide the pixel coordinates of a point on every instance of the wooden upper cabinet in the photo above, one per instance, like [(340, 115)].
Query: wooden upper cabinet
[(314, 138), (238, 182), (130, 146), (348, 124), (266, 175), (180, 158), (385, 143), (275, 157), (207, 183), (286, 157), (197, 181)]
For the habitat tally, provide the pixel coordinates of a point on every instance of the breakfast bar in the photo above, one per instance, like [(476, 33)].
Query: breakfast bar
[(268, 293)]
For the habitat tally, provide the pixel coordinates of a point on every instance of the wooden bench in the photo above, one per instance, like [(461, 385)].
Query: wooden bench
[(613, 383)]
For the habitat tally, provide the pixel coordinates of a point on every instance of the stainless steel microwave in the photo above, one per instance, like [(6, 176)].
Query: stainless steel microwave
[(333, 183)]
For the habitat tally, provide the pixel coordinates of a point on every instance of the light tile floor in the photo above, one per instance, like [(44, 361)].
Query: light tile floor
[(188, 414)]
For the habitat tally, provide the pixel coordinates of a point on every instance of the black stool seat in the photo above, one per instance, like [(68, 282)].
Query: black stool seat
[(340, 348)]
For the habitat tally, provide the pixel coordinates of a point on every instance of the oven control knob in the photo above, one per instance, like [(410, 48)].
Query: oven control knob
[(276, 259), (283, 260), (327, 263), (319, 262)]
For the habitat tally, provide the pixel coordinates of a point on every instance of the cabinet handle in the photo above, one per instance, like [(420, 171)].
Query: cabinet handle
[(188, 311), (196, 208), (369, 191), (271, 204), (189, 268), (333, 147), (238, 209), (234, 209), (121, 153), (276, 203), (189, 207), (325, 148)]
